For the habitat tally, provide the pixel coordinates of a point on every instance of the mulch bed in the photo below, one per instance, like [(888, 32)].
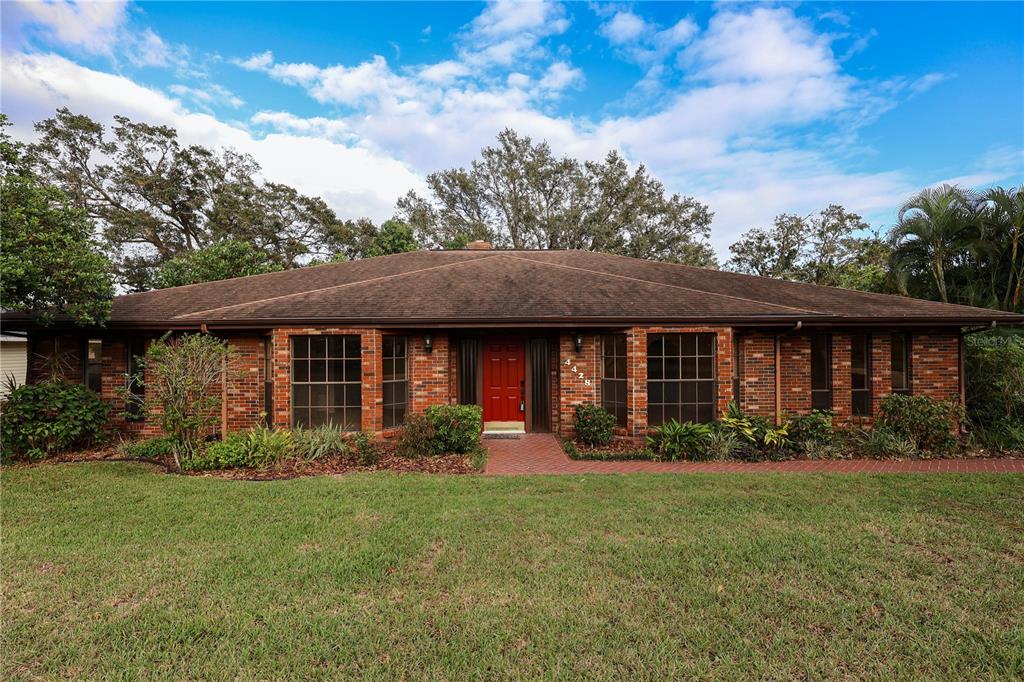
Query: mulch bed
[(440, 464)]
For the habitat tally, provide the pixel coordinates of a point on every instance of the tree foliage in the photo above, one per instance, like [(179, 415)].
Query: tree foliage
[(49, 262), (821, 248), (155, 198), (519, 194), (223, 260)]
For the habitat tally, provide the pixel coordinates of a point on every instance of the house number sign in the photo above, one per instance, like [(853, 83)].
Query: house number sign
[(575, 370)]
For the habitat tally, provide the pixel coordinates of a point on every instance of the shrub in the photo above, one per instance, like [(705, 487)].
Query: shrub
[(42, 420), (594, 424), (673, 440), (815, 427), (720, 444), (931, 424), (880, 442), (417, 438), (457, 427), (267, 446), (994, 371), (159, 448), (227, 454), (319, 442), (754, 430), (181, 374), (366, 447)]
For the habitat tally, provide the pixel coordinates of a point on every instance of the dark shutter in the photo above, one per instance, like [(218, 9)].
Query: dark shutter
[(540, 385), (469, 352)]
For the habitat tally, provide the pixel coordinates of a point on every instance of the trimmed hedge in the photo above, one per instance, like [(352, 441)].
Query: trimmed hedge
[(45, 419)]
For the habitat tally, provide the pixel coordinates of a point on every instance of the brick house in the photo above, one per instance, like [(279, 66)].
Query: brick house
[(528, 335)]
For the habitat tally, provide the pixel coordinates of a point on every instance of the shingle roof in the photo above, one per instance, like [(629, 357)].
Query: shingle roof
[(465, 287)]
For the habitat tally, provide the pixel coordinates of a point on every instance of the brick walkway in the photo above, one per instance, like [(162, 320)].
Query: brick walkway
[(541, 453)]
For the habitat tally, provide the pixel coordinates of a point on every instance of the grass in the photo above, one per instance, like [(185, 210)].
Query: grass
[(113, 570)]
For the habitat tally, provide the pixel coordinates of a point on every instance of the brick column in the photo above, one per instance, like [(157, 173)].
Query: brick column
[(372, 386), (428, 373), (723, 368), (881, 370), (758, 376), (579, 385), (842, 399), (795, 356), (636, 381)]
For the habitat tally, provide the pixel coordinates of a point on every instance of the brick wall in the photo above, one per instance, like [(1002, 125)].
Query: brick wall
[(757, 378), (935, 365), (429, 379), (579, 377), (795, 373)]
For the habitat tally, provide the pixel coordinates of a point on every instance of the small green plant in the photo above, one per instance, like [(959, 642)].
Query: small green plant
[(457, 428), (265, 446), (367, 450), (45, 419), (720, 445), (932, 424), (231, 453), (754, 430), (594, 424), (882, 443), (478, 457), (319, 442), (816, 426), (673, 440), (159, 448), (417, 438)]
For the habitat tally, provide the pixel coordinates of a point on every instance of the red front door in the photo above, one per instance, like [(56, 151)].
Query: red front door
[(504, 380)]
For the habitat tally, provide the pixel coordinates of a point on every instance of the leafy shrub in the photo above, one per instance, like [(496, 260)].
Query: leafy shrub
[(159, 448), (823, 449), (814, 427), (180, 376), (417, 438), (720, 445), (319, 442), (994, 371), (673, 440), (880, 442), (931, 424), (230, 453), (366, 447), (267, 446), (457, 427), (594, 424), (754, 430), (42, 420)]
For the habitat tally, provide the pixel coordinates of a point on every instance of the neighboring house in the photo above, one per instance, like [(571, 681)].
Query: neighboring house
[(13, 361), (528, 335)]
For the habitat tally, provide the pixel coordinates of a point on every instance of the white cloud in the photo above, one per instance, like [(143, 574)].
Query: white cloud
[(624, 27), (354, 180), (257, 62), (560, 76), (88, 26), (507, 31), (444, 72), (208, 95)]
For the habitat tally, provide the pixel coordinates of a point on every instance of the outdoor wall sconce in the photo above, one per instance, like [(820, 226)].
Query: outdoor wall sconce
[(578, 341), (428, 342)]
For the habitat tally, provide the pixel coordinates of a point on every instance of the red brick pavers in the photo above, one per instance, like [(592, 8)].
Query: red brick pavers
[(541, 453)]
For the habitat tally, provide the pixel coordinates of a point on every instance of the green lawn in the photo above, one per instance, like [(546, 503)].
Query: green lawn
[(114, 570)]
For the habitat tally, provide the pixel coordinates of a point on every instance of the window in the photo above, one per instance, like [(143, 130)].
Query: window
[(821, 372), (680, 378), (94, 365), (326, 381), (135, 350), (901, 363), (613, 376), (396, 384), (860, 374)]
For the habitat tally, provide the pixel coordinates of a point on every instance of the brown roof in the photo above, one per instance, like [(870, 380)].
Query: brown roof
[(522, 287)]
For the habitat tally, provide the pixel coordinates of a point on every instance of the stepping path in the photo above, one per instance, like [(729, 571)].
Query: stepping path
[(541, 453)]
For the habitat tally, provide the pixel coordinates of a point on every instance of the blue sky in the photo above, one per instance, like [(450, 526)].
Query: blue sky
[(755, 109)]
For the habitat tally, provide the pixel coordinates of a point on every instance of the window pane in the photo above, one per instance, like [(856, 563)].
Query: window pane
[(352, 419), (335, 346), (318, 346), (300, 346), (300, 395), (690, 367), (318, 370), (352, 371), (318, 416), (300, 371), (706, 367), (672, 367), (334, 370), (705, 391), (821, 362), (655, 368), (399, 368), (655, 345), (706, 344), (318, 395), (671, 344), (351, 346)]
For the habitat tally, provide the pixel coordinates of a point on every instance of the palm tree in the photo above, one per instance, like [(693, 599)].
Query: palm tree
[(933, 227), (1004, 226)]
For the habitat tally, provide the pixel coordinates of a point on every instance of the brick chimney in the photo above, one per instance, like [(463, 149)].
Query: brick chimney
[(479, 245)]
